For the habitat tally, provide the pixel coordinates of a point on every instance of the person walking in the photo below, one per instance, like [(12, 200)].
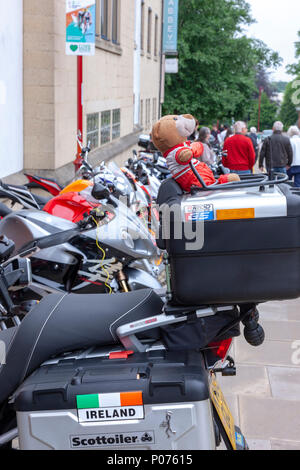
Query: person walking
[(294, 171), (240, 157), (279, 148), (208, 155), (215, 132), (222, 135), (253, 137)]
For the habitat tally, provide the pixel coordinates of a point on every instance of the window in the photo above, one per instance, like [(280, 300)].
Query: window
[(104, 19), (105, 126), (92, 131), (149, 31), (142, 25), (115, 21), (154, 112), (142, 113), (116, 123), (148, 105), (156, 36)]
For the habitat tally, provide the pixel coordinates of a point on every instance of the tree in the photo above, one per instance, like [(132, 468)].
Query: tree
[(262, 80), (288, 114), (279, 87), (294, 69), (217, 62), (268, 113)]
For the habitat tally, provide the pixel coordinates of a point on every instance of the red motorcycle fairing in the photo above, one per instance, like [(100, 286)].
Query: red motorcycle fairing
[(49, 185), (70, 206)]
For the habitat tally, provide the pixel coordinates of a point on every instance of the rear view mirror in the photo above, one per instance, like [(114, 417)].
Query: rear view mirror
[(100, 192)]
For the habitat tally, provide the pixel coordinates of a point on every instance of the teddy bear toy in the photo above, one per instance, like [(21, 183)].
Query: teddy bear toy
[(169, 135)]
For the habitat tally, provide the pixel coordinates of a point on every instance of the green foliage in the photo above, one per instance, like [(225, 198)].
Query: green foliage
[(268, 113), (288, 114), (279, 87), (217, 62), (294, 69)]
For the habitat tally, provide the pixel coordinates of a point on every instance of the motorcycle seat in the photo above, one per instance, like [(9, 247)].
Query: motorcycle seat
[(69, 322)]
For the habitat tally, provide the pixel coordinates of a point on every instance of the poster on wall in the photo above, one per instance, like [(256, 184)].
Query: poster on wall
[(80, 27)]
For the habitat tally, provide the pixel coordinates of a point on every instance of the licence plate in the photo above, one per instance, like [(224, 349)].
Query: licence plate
[(223, 410)]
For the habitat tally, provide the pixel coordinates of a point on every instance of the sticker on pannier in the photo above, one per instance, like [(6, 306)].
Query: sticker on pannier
[(110, 407), (199, 212), (118, 439)]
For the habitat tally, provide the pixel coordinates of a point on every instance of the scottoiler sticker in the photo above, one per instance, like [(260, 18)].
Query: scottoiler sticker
[(117, 439), (199, 212), (110, 407)]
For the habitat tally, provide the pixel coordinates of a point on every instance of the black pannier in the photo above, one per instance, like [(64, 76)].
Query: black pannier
[(251, 249)]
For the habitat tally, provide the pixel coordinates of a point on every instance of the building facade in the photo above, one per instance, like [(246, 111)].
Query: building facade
[(121, 84)]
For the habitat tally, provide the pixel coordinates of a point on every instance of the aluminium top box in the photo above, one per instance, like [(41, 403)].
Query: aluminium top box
[(71, 403), (252, 259)]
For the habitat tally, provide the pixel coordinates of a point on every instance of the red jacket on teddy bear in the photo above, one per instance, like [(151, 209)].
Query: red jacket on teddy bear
[(169, 135)]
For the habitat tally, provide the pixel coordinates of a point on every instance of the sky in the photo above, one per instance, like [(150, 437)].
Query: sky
[(277, 25)]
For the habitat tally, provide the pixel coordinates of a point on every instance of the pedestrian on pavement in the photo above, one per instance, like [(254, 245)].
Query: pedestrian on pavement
[(208, 155), (279, 148), (240, 152), (222, 135), (294, 171), (215, 132), (229, 133), (254, 139)]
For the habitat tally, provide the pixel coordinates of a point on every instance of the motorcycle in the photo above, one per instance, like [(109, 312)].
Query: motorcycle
[(99, 372), (107, 259)]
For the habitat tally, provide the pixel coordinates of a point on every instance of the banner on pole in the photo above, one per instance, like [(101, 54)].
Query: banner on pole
[(80, 27), (170, 31)]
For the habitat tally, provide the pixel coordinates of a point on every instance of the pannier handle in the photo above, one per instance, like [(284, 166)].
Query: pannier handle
[(247, 182)]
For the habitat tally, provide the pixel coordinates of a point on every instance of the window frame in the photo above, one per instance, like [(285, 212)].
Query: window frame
[(93, 131), (149, 31), (115, 21), (102, 127), (106, 36), (115, 124), (142, 25), (156, 36)]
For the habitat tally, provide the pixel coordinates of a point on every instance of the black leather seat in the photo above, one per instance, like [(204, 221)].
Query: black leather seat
[(67, 322)]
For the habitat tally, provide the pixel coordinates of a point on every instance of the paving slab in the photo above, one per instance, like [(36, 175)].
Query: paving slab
[(259, 444), (285, 383), (284, 445), (280, 311), (250, 380), (272, 353), (281, 330), (269, 418)]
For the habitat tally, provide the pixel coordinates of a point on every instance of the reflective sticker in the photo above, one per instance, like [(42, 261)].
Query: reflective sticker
[(199, 212)]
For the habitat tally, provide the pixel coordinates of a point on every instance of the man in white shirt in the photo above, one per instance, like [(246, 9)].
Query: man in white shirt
[(221, 137), (294, 171)]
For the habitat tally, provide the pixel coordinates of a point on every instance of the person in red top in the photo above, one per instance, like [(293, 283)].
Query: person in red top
[(240, 152)]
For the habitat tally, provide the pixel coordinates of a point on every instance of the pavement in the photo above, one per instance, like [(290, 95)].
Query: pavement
[(264, 397)]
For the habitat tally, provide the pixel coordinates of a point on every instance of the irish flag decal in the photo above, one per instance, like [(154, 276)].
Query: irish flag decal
[(110, 406)]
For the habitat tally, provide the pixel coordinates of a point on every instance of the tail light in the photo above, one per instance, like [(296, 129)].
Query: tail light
[(220, 348)]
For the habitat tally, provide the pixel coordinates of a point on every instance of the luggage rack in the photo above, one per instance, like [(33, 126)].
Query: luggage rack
[(247, 181)]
